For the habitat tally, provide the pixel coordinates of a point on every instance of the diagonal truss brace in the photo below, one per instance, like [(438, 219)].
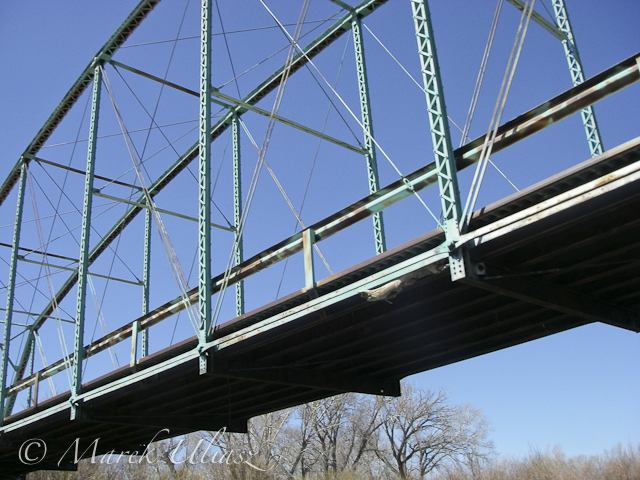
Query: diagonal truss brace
[(240, 107)]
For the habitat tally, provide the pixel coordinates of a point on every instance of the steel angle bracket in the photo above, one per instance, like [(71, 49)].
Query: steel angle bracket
[(458, 255)]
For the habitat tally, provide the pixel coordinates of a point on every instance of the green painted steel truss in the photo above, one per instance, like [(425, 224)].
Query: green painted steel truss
[(443, 172)]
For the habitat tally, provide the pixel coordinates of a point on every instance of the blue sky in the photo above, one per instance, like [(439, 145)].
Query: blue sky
[(578, 389)]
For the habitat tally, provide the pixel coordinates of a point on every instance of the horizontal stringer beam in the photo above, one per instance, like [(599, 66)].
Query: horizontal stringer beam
[(298, 377), (173, 423), (522, 286)]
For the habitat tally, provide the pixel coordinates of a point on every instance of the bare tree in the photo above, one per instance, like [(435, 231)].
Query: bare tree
[(343, 433), (422, 432), (257, 454), (301, 439)]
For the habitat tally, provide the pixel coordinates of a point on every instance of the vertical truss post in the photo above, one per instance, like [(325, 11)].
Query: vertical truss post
[(237, 211), (76, 387), (577, 76), (367, 125), (146, 278), (204, 210), (27, 352), (32, 396), (440, 135), (6, 338), (145, 298)]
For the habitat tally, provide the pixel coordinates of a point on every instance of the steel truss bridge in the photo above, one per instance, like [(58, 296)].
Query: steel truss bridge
[(543, 260)]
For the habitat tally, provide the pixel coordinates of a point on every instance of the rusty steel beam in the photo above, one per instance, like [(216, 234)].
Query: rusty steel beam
[(572, 101)]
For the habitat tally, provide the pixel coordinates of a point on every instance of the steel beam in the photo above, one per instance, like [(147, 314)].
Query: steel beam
[(32, 394), (540, 20), (83, 263), (367, 126), (239, 107), (308, 239), (75, 170), (159, 210), (11, 286), (558, 108), (577, 76), (204, 182), (38, 252), (146, 279), (440, 134), (174, 424), (237, 212), (33, 314), (60, 267), (307, 378), (341, 4), (555, 297)]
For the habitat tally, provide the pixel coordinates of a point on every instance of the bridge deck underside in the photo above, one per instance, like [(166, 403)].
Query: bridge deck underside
[(590, 248)]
